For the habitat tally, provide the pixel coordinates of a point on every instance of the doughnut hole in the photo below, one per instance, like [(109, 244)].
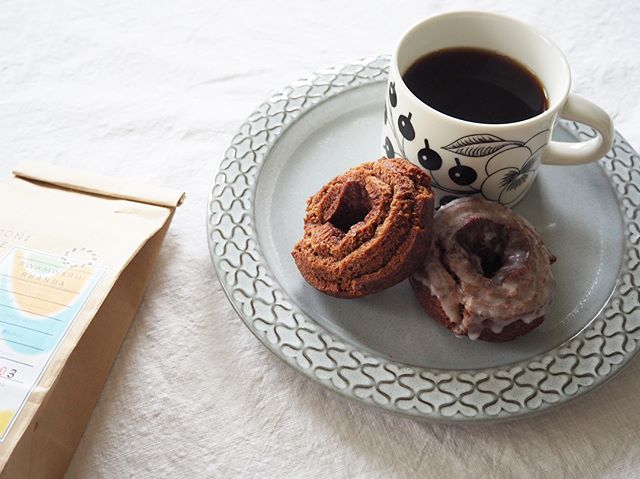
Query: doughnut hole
[(350, 207), (486, 242)]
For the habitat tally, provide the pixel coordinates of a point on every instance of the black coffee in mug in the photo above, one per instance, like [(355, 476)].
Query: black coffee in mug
[(477, 85)]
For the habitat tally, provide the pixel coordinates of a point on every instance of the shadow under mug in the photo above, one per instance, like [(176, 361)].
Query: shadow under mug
[(499, 161)]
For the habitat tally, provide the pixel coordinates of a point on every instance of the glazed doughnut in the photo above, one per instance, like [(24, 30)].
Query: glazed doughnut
[(366, 229), (487, 275)]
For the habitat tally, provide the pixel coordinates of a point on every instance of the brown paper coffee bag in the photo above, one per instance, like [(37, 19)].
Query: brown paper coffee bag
[(76, 252)]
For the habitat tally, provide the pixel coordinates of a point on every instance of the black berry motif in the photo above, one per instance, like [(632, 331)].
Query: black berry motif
[(385, 113), (447, 199), (405, 127), (429, 158), (393, 98), (388, 148), (461, 174)]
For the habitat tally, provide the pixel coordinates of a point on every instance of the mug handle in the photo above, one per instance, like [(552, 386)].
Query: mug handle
[(582, 110)]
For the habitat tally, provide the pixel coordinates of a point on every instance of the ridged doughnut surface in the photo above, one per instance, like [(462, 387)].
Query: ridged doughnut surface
[(488, 273), (366, 229)]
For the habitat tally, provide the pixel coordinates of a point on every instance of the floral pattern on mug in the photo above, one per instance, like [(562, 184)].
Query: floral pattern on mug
[(509, 166), (506, 185), (506, 182)]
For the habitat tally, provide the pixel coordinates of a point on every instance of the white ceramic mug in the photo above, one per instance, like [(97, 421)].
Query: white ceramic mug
[(499, 161)]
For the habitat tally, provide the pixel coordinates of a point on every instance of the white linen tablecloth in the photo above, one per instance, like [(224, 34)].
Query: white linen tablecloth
[(155, 90)]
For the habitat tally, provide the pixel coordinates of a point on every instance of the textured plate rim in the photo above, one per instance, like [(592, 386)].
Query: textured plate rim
[(580, 364)]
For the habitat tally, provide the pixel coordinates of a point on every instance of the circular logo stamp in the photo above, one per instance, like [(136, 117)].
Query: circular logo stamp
[(79, 258)]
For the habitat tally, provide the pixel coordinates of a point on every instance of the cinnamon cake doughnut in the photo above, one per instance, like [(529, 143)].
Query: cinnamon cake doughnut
[(366, 229), (487, 274)]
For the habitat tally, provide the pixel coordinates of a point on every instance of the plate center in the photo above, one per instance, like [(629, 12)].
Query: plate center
[(574, 209)]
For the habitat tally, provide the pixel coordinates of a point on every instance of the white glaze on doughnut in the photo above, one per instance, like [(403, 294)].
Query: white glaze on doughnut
[(521, 289)]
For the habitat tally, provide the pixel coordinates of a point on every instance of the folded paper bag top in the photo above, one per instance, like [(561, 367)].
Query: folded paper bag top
[(116, 188), (76, 252)]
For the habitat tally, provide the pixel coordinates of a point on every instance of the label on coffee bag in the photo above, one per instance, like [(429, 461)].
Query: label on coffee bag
[(40, 297)]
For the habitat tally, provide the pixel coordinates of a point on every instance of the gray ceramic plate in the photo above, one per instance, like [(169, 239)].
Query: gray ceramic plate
[(383, 350)]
